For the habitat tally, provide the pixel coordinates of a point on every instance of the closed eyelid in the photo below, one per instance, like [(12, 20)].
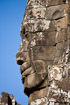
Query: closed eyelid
[(23, 32)]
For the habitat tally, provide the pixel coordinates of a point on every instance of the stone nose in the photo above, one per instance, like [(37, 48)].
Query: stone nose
[(19, 58), (19, 55), (22, 55)]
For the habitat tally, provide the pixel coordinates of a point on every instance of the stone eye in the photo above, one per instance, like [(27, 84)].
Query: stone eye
[(23, 33), (23, 30)]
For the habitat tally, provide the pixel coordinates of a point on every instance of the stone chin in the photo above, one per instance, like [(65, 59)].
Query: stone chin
[(34, 82), (33, 78)]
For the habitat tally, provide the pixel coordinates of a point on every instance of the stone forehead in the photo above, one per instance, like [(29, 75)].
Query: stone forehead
[(47, 2), (39, 19)]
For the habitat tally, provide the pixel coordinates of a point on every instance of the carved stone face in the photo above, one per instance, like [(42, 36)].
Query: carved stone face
[(32, 58), (36, 52), (40, 43)]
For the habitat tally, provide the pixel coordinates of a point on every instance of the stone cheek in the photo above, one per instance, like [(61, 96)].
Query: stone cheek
[(47, 38), (36, 53)]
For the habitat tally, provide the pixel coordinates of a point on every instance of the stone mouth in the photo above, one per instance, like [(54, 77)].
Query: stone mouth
[(26, 70), (24, 67)]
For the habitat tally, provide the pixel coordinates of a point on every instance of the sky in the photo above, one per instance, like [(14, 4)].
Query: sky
[(11, 15)]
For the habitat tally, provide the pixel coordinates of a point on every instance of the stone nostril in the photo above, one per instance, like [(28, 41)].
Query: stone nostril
[(19, 62), (19, 58)]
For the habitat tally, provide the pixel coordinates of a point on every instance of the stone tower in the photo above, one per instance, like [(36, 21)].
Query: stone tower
[(7, 99), (44, 53)]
